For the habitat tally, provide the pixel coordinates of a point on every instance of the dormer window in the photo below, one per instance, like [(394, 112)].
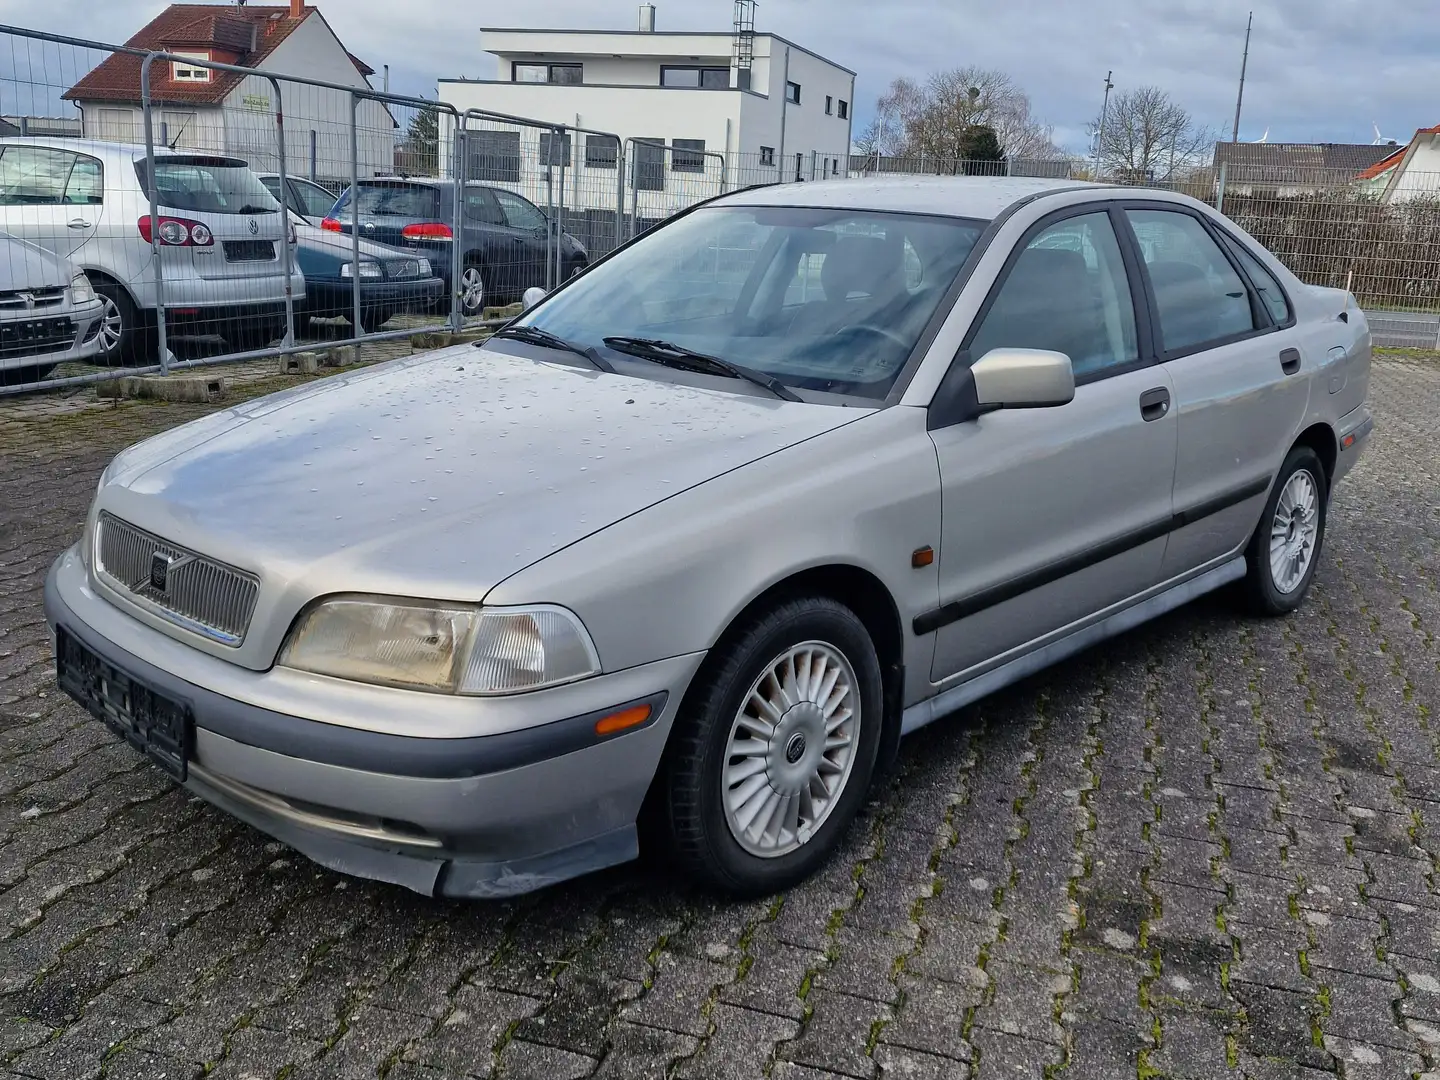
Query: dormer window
[(183, 72)]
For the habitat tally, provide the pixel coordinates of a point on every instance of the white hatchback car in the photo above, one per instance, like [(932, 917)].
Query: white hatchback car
[(48, 312), (221, 237)]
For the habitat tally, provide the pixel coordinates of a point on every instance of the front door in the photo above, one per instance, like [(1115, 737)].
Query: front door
[(52, 198), (1052, 515), (1239, 367)]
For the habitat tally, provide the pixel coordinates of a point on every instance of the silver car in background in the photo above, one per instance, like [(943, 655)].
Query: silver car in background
[(706, 531), (49, 314), (220, 235)]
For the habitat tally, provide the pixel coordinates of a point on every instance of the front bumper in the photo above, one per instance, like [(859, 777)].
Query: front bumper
[(328, 299), (84, 339), (484, 816)]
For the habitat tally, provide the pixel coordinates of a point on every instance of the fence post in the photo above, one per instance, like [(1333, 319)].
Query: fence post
[(559, 135), (634, 189), (1220, 195), (460, 156), (619, 192), (356, 330), (289, 340), (147, 109), (314, 155)]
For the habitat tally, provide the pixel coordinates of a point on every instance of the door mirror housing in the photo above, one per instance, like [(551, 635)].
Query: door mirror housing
[(1023, 379), (533, 296)]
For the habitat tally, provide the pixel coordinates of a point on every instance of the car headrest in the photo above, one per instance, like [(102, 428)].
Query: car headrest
[(871, 265)]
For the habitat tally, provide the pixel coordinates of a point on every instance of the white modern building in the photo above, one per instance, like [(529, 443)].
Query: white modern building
[(712, 111)]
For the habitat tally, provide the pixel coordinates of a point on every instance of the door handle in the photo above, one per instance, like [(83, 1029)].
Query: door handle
[(1290, 361), (78, 224), (1154, 404)]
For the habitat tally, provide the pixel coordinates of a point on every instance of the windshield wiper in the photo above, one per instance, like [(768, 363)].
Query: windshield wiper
[(533, 335), (677, 356), (250, 208)]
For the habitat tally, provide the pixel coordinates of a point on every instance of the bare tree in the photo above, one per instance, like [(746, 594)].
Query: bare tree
[(1148, 136), (939, 118)]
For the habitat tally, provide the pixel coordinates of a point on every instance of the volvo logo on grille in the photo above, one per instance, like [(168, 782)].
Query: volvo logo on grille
[(161, 564)]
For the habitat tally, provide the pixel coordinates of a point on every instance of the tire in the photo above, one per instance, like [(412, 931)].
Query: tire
[(697, 804), (1298, 503), (575, 269), (125, 339), (474, 290)]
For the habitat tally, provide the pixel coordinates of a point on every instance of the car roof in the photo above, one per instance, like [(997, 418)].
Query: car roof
[(112, 150), (982, 197)]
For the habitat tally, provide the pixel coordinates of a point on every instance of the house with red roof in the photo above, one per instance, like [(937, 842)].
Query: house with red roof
[(1412, 172), (202, 109)]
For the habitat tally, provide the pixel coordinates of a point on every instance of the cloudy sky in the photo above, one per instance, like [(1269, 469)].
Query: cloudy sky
[(1320, 70)]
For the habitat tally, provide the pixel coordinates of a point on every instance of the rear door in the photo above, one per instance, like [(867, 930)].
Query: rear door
[(50, 197), (1052, 515), (500, 249), (531, 230), (1239, 368)]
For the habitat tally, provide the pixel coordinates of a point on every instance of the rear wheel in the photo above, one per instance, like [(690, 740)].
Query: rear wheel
[(124, 338), (774, 748), (1285, 551), (472, 290)]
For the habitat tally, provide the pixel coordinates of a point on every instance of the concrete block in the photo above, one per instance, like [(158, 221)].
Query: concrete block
[(305, 363), (192, 388)]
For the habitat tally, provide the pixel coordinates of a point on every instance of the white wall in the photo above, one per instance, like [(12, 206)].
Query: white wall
[(189, 128), (1421, 178), (808, 130)]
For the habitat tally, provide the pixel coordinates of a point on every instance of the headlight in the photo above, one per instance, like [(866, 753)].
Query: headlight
[(368, 269), (81, 291), (425, 269), (444, 648)]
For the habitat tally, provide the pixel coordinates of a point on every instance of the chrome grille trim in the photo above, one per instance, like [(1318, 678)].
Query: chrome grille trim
[(204, 596)]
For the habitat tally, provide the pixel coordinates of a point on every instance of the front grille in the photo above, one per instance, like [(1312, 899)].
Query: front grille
[(249, 250), (200, 594), (29, 337), (29, 299), (403, 268)]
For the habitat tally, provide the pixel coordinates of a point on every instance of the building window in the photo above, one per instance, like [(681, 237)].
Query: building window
[(554, 151), (829, 104), (688, 155), (792, 93), (696, 78), (563, 74), (494, 156), (601, 152), (649, 165), (182, 72), (844, 109), (767, 155)]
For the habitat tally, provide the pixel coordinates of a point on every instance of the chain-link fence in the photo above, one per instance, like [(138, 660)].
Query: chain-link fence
[(664, 179)]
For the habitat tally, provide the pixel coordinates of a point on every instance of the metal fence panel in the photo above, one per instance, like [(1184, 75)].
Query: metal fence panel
[(664, 179)]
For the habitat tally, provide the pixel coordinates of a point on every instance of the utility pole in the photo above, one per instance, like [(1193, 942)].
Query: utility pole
[(1100, 135), (1244, 63)]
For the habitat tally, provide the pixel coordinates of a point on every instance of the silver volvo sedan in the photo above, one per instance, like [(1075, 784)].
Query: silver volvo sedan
[(703, 533)]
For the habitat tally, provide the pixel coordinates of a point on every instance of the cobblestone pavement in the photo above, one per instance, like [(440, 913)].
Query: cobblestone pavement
[(1207, 849)]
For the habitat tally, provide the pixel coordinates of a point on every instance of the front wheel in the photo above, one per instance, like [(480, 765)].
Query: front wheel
[(774, 748), (1285, 550)]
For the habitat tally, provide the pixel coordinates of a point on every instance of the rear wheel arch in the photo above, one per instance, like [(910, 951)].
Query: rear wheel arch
[(1321, 439)]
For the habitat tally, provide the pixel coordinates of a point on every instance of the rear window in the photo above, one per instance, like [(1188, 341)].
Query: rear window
[(207, 185), (396, 200)]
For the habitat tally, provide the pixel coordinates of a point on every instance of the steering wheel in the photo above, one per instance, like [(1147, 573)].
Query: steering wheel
[(878, 331)]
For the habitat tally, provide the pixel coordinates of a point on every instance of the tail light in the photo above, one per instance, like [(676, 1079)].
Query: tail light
[(331, 225), (176, 232), (428, 231)]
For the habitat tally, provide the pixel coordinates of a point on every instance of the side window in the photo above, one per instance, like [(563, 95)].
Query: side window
[(312, 200), (480, 205), (1198, 295), (87, 183), (1271, 294), (520, 214), (34, 176), (1067, 292)]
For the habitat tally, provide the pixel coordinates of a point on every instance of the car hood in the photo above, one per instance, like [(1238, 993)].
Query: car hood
[(441, 475), (24, 265)]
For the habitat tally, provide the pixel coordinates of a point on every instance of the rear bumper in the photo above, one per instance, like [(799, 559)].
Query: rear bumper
[(186, 289), (221, 319), (487, 815), (333, 298), (1352, 433)]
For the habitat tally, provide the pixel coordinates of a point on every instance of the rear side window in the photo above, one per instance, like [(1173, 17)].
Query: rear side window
[(1271, 294), (519, 214), (480, 206), (206, 185), (1198, 295), (38, 176), (397, 200)]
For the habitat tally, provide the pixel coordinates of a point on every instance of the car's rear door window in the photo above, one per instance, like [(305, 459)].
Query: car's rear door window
[(34, 175), (481, 207), (1067, 291), (1271, 294), (1199, 297), (519, 213), (208, 185)]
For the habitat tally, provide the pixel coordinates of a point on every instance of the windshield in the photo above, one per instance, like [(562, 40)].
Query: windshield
[(824, 299), (208, 185), (395, 200)]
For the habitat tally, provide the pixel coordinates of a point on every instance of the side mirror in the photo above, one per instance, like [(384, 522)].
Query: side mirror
[(1023, 379), (534, 295)]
